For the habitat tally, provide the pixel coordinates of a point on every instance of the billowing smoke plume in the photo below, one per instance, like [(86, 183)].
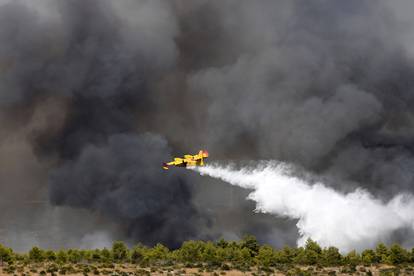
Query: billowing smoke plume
[(97, 62), (124, 188), (354, 220), (95, 95)]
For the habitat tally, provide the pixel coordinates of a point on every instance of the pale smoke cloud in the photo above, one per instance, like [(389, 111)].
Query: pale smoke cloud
[(355, 220), (98, 239)]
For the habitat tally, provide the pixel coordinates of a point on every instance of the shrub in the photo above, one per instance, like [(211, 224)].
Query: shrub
[(119, 251), (36, 254)]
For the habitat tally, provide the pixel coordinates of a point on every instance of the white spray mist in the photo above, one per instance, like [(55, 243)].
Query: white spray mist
[(349, 221)]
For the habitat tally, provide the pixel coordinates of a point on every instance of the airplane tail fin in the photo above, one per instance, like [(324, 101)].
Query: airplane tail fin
[(203, 154)]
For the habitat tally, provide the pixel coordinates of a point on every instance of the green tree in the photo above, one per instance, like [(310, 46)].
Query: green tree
[(309, 255), (191, 251), (382, 253), (285, 255), (221, 254), (138, 253), (36, 254), (265, 256), (86, 255), (232, 252), (119, 251), (96, 255), (74, 256), (299, 256), (245, 257), (6, 254), (250, 242), (398, 255), (157, 254), (50, 256), (412, 255), (331, 256), (368, 257), (61, 257), (209, 254), (106, 255), (222, 243), (353, 258), (313, 246)]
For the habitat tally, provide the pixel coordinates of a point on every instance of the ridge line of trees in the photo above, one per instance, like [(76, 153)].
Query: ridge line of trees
[(242, 254)]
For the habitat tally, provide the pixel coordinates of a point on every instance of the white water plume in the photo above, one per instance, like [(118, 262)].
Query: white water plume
[(355, 220)]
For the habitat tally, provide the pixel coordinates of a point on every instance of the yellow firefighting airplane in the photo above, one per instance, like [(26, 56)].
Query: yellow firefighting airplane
[(187, 160)]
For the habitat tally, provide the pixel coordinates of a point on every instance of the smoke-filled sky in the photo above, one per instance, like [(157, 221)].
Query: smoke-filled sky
[(95, 95)]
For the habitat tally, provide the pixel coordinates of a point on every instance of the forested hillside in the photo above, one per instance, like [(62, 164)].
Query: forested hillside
[(206, 257)]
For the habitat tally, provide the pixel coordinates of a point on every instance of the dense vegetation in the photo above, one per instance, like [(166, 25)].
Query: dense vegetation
[(222, 255)]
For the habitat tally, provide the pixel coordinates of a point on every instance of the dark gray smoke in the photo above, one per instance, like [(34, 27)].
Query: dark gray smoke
[(118, 181), (95, 95), (98, 62)]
